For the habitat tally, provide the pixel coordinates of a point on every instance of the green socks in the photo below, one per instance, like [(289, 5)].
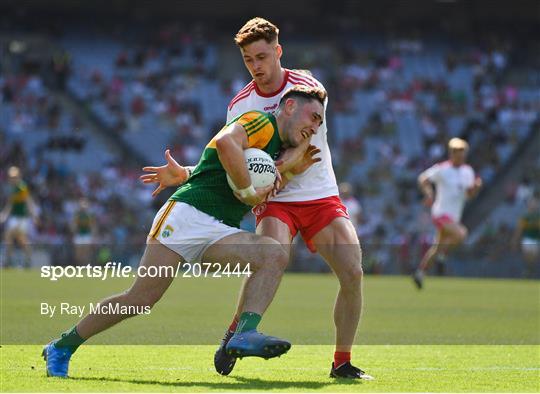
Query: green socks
[(70, 339), (248, 321)]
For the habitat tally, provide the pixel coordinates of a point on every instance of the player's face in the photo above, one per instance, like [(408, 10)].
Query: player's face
[(262, 61), (457, 156), (306, 118)]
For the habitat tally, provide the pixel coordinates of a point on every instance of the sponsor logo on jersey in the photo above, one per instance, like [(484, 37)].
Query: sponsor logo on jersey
[(270, 108), (167, 232)]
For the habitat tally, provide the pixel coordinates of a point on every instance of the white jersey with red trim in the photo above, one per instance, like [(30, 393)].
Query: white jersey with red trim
[(451, 185), (318, 181)]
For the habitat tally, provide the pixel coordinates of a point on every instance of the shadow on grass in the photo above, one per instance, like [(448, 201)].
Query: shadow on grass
[(238, 383)]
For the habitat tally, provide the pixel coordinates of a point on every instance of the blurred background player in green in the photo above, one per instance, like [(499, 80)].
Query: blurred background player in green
[(17, 215), (528, 233), (83, 227)]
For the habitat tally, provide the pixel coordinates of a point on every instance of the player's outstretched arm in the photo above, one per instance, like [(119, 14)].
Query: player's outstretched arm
[(170, 174)]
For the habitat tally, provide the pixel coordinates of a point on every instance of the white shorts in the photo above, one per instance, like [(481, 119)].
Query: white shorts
[(83, 239), (187, 231), (20, 224), (530, 245)]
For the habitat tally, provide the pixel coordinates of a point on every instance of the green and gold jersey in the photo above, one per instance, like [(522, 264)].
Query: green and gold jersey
[(530, 223), (83, 222), (207, 188), (19, 200)]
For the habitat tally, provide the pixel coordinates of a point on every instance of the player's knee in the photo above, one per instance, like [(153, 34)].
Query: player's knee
[(273, 254), (356, 274), (460, 236), (277, 258), (351, 277)]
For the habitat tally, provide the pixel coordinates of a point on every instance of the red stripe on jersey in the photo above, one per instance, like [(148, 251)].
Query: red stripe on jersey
[(240, 97), (296, 78), (243, 90), (298, 74), (249, 85), (300, 81)]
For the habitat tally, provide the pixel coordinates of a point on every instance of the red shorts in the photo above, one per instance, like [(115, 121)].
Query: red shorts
[(308, 217), (440, 221)]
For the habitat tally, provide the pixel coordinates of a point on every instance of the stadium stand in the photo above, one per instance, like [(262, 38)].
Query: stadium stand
[(394, 104)]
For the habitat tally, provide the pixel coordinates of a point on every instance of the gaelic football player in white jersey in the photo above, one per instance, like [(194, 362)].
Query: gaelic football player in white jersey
[(454, 182), (308, 203)]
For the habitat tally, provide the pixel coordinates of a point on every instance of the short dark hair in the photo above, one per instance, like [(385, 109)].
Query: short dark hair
[(304, 92), (254, 30)]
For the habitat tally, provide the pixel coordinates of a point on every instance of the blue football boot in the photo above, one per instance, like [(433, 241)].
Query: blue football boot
[(57, 360), (254, 344)]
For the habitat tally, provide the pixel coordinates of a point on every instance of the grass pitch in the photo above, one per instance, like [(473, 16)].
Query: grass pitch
[(457, 335), (410, 368)]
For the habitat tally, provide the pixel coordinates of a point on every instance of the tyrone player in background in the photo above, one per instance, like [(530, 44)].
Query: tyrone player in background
[(454, 182), (309, 202)]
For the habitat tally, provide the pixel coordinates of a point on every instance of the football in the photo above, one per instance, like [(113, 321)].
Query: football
[(261, 167)]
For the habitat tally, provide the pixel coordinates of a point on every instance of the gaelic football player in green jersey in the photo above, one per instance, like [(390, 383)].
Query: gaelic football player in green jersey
[(18, 213), (528, 233), (200, 222), (83, 228)]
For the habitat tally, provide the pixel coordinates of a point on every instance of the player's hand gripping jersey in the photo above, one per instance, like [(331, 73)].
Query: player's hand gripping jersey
[(319, 180)]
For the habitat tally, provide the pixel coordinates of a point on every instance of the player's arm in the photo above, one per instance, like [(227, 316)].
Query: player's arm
[(4, 214), (426, 187), (289, 165), (230, 146), (291, 157), (307, 159), (170, 174), (475, 188)]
